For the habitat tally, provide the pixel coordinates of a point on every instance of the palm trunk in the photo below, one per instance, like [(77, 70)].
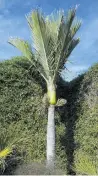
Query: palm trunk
[(51, 137)]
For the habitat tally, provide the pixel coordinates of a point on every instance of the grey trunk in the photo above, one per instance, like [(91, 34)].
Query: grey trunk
[(51, 137)]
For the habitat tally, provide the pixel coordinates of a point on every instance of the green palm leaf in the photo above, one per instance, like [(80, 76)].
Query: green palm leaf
[(72, 45), (23, 46), (40, 37), (53, 41), (53, 22), (65, 36), (26, 50), (74, 28)]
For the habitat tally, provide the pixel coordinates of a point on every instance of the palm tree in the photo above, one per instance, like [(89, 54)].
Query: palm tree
[(53, 42)]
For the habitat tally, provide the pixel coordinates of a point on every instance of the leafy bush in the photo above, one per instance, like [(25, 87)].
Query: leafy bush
[(84, 113), (84, 164), (23, 121), (22, 118)]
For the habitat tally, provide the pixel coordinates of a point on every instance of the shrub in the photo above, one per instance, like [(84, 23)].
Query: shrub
[(84, 112), (22, 118)]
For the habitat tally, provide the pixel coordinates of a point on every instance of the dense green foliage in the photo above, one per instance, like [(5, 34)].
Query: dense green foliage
[(84, 113), (23, 119)]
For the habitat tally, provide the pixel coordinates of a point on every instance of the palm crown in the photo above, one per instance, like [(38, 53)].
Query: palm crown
[(53, 42)]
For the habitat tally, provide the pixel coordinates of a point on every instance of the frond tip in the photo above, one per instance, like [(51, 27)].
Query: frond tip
[(23, 46)]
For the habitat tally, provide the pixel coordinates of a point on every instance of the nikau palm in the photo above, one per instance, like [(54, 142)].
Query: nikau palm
[(53, 42)]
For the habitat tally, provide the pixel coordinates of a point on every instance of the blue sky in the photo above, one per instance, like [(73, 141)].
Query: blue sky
[(13, 23)]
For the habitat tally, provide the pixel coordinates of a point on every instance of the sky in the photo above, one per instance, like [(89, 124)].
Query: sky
[(13, 23)]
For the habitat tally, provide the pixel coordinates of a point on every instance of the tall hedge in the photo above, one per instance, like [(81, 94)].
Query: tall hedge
[(23, 119), (83, 118)]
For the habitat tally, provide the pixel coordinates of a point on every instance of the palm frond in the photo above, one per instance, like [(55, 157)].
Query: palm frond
[(76, 26), (39, 67), (40, 37), (72, 45), (52, 23), (26, 50), (65, 35), (53, 41), (23, 46)]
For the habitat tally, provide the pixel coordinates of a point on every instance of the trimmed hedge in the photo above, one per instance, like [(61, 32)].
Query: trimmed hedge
[(22, 118), (84, 114)]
